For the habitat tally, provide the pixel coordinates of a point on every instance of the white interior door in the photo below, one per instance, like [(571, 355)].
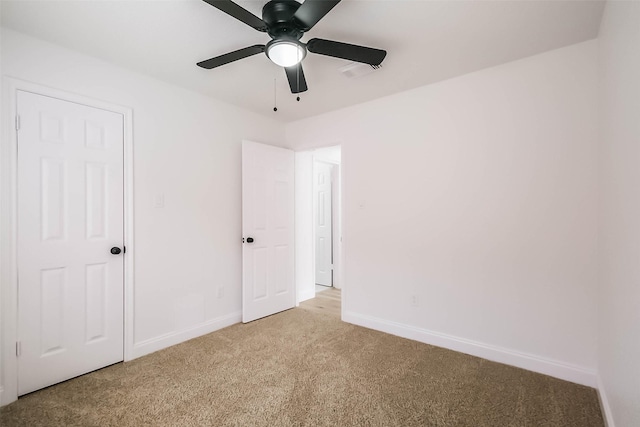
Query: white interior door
[(70, 216), (323, 223), (268, 230)]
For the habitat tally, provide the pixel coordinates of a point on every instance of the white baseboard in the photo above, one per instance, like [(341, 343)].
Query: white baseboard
[(172, 338), (604, 404), (1, 392), (553, 368)]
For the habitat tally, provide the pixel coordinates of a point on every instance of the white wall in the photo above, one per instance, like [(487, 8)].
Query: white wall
[(478, 196), (305, 265), (187, 147), (328, 154), (619, 294)]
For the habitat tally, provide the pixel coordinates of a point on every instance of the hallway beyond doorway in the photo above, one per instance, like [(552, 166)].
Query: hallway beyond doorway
[(327, 302), (320, 288)]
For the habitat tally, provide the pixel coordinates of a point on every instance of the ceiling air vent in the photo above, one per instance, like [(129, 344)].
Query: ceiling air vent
[(355, 70)]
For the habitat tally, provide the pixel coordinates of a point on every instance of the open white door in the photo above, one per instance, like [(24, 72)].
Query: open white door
[(70, 234), (268, 230), (323, 223)]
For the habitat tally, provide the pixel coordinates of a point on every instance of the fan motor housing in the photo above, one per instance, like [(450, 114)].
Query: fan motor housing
[(278, 14)]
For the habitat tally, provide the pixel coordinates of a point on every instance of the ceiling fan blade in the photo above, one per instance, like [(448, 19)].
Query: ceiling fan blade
[(295, 75), (311, 11), (351, 52), (238, 12), (231, 56)]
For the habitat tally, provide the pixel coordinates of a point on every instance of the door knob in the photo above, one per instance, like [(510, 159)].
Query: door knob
[(115, 250), (249, 239)]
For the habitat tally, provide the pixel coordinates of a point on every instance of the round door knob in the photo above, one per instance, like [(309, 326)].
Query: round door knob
[(115, 250), (249, 239)]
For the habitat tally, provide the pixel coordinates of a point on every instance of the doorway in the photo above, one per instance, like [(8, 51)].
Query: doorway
[(318, 221), (323, 183)]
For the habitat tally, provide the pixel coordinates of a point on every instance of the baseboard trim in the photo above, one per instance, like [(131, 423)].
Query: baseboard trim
[(1, 392), (172, 338), (607, 415), (553, 368)]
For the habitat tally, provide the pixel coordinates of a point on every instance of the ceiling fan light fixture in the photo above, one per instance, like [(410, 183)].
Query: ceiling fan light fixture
[(285, 52)]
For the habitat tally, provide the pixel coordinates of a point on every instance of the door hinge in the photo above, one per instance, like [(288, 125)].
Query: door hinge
[(18, 348), (17, 122)]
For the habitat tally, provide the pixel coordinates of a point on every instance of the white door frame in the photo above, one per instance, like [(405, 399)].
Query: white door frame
[(8, 225)]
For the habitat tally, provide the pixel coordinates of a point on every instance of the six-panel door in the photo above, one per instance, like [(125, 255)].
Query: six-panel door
[(70, 215), (267, 219), (324, 223)]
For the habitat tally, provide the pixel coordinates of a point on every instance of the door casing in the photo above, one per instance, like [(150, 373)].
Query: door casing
[(8, 228)]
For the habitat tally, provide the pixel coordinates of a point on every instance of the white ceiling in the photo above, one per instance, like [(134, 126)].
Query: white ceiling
[(427, 41)]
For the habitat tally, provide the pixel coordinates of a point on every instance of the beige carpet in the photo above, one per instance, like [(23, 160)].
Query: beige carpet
[(329, 301), (305, 367)]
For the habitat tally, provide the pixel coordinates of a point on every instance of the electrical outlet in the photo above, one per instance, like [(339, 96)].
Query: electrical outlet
[(415, 301), (220, 292)]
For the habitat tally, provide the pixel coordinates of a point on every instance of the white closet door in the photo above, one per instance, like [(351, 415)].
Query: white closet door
[(70, 216)]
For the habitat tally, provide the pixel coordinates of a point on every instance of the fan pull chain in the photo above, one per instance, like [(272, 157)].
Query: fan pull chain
[(298, 78), (275, 103)]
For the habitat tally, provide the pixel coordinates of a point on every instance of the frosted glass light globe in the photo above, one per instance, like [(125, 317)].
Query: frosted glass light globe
[(285, 53)]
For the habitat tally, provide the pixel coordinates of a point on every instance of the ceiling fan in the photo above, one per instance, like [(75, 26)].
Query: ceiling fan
[(285, 21)]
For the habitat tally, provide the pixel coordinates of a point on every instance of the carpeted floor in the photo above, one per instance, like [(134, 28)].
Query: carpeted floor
[(329, 301), (305, 367)]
